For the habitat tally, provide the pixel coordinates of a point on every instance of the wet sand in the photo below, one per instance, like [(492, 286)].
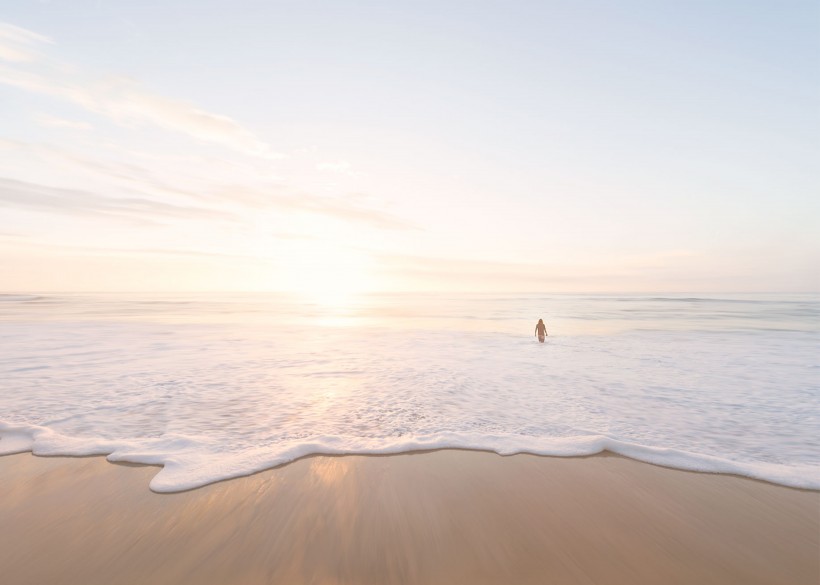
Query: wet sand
[(443, 517)]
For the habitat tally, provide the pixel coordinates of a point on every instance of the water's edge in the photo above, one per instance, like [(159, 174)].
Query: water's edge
[(184, 471)]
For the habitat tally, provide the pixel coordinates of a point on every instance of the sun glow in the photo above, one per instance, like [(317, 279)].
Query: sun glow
[(326, 276)]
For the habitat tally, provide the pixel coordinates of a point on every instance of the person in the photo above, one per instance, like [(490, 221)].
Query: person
[(541, 330)]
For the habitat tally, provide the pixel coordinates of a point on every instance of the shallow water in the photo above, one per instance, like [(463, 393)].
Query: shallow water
[(216, 386)]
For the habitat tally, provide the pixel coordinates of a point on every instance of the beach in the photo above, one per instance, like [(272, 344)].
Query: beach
[(446, 516), (409, 293)]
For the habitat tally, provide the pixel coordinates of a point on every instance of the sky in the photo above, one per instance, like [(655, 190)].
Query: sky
[(353, 147)]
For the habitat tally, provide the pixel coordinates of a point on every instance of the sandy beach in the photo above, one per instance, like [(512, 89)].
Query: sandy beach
[(437, 517)]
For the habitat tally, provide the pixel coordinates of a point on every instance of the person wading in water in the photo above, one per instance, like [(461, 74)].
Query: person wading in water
[(541, 330)]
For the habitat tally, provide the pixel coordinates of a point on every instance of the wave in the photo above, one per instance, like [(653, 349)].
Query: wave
[(19, 298), (190, 462), (695, 300)]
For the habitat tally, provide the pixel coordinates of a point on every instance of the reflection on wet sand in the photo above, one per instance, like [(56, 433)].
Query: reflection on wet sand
[(439, 517)]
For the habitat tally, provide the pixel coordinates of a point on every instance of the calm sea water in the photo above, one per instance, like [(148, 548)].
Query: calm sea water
[(217, 386)]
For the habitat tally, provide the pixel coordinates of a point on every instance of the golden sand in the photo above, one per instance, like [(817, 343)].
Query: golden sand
[(443, 517)]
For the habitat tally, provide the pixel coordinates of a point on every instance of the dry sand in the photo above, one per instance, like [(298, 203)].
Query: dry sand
[(445, 517)]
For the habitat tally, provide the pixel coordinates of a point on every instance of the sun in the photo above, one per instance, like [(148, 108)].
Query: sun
[(328, 276)]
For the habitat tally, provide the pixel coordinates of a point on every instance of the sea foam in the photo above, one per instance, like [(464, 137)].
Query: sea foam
[(215, 389), (188, 464)]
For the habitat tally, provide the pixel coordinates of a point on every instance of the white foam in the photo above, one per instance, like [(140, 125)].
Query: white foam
[(188, 464), (211, 400)]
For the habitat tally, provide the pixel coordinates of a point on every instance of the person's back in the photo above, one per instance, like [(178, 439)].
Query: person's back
[(541, 330)]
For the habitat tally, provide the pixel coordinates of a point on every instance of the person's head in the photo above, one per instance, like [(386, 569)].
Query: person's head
[(540, 321)]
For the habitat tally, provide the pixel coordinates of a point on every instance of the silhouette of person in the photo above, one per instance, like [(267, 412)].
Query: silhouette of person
[(541, 330)]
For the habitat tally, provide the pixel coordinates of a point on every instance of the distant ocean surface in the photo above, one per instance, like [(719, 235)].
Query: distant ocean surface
[(219, 386)]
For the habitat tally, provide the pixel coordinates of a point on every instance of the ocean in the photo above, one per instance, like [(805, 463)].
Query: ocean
[(215, 386)]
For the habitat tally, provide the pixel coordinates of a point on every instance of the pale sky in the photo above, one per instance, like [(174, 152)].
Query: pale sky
[(171, 145)]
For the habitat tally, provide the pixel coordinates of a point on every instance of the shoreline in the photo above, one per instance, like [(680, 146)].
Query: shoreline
[(439, 516), (172, 476), (603, 453)]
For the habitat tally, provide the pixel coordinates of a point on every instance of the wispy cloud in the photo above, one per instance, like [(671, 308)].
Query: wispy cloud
[(488, 275), (118, 251), (132, 176), (18, 44), (118, 98), (292, 236), (342, 167), (347, 209), (26, 195), (48, 121), (354, 207)]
